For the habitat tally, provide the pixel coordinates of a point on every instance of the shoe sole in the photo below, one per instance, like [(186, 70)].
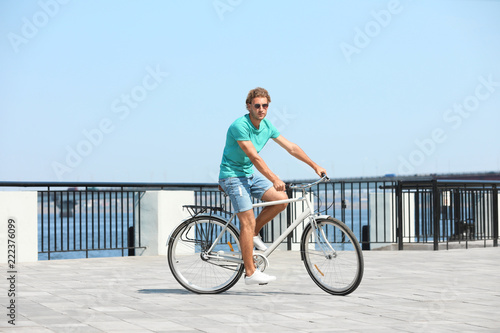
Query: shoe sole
[(259, 284)]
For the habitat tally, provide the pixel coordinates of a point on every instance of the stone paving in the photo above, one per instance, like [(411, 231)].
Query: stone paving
[(402, 291)]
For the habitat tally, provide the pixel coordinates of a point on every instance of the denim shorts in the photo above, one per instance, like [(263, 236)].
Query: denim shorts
[(241, 190)]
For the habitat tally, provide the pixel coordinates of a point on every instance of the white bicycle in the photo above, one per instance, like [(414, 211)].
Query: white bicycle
[(204, 250)]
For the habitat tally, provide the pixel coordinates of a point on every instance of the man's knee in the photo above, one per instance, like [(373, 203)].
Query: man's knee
[(282, 196), (273, 195), (247, 219)]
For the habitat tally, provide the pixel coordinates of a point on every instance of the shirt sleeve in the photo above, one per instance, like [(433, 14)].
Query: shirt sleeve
[(273, 131)]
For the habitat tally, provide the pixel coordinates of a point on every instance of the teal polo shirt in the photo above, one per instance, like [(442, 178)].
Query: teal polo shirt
[(235, 163)]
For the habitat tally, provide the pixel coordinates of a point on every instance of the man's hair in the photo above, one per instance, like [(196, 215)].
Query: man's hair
[(258, 92)]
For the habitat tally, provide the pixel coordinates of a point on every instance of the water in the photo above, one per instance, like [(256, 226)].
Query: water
[(77, 235)]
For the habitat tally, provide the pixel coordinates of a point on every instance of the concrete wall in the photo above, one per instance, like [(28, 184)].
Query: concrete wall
[(22, 208), (161, 212)]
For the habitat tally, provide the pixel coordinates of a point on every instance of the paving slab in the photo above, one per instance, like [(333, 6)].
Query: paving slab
[(402, 291)]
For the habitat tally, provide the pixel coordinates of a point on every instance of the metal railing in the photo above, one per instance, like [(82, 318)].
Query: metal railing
[(77, 219), (106, 217), (98, 219), (447, 212), (385, 212), (88, 220), (356, 203)]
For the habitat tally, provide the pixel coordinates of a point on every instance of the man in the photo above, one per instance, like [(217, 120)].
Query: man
[(245, 139)]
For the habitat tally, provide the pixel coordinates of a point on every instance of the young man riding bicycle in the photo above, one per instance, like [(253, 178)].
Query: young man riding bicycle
[(245, 139)]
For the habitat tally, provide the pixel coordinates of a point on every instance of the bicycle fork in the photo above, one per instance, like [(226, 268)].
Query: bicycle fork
[(322, 239)]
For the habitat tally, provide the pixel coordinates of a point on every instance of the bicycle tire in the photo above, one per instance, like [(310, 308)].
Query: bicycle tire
[(188, 261), (337, 272)]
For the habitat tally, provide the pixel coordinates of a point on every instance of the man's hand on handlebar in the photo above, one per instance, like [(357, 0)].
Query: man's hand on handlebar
[(320, 171), (279, 185)]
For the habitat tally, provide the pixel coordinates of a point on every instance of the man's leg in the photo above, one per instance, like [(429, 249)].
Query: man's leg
[(247, 227), (269, 212)]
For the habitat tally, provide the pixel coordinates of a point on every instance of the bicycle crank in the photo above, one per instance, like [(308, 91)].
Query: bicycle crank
[(260, 261)]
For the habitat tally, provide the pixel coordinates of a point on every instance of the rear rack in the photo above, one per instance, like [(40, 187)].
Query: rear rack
[(196, 210)]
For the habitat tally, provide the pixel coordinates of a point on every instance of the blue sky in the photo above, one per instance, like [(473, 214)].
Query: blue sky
[(145, 90)]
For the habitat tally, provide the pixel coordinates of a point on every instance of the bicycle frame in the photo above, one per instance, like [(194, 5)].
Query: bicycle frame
[(307, 213)]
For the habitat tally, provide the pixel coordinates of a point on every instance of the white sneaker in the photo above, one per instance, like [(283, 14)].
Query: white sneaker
[(259, 244), (259, 278)]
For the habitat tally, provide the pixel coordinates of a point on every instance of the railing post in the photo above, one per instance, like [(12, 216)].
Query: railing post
[(131, 241), (436, 213), (48, 221), (289, 218), (399, 228), (343, 205), (495, 216)]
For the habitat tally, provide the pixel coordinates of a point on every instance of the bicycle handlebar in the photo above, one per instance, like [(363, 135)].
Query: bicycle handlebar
[(302, 187)]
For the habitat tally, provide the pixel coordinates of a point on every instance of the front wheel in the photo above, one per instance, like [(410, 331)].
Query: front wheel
[(332, 256), (194, 266)]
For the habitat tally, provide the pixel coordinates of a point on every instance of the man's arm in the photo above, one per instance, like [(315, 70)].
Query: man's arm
[(249, 149), (298, 153)]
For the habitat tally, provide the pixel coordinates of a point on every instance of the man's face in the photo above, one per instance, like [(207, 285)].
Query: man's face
[(258, 108)]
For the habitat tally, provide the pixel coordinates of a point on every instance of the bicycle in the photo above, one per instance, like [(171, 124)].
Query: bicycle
[(204, 253)]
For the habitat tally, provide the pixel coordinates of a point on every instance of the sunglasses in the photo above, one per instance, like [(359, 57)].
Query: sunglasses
[(257, 106)]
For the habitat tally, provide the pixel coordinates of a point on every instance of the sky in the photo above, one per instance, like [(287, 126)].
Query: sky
[(144, 91)]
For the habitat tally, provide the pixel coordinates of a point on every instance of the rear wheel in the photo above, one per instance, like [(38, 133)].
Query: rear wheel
[(194, 267), (332, 256)]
